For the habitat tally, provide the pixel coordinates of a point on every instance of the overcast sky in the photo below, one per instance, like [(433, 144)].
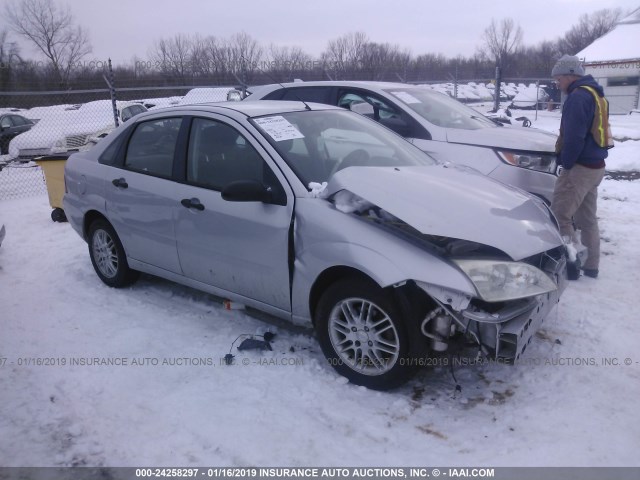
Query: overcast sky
[(121, 29)]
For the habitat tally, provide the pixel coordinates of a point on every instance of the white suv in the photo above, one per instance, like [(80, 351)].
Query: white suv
[(440, 126)]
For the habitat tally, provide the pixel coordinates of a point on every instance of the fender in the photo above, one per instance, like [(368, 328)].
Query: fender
[(359, 246)]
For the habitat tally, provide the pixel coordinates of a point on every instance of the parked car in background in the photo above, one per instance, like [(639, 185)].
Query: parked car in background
[(440, 126), (206, 95), (530, 98), (317, 215), (12, 125), (161, 102), (72, 129)]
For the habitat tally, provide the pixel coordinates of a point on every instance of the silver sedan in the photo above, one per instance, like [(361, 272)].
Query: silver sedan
[(317, 215)]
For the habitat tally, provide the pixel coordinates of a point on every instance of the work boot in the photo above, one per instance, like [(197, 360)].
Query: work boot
[(590, 272), (573, 270)]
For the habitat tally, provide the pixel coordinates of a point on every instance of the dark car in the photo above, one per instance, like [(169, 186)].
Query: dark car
[(11, 125)]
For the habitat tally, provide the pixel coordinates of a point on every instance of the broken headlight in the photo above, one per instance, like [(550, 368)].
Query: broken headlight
[(498, 281)]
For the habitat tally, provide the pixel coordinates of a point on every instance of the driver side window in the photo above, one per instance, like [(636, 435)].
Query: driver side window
[(219, 154)]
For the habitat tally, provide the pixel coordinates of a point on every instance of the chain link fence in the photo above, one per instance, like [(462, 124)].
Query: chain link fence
[(37, 123), (20, 180)]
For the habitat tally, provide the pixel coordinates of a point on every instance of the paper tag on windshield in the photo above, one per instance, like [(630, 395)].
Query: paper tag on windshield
[(279, 128), (406, 97)]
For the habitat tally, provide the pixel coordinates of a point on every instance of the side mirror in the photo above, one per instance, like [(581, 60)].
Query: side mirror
[(247, 191), (363, 108)]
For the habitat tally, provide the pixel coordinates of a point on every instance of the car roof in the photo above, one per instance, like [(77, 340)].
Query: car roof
[(248, 108), (333, 83)]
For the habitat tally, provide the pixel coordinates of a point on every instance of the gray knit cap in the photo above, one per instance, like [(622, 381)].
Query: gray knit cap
[(568, 65)]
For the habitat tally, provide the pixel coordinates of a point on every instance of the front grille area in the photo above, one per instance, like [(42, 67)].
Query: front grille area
[(76, 141), (33, 152)]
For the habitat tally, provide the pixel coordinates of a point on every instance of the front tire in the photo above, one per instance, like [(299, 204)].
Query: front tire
[(108, 257), (363, 335)]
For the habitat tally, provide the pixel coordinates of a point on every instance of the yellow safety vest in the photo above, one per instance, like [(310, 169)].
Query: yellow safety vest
[(600, 128)]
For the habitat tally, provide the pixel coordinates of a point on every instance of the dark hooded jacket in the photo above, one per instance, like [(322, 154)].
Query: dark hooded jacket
[(578, 145)]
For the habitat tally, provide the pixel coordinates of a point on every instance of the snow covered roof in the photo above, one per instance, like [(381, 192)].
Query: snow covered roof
[(633, 17), (621, 43)]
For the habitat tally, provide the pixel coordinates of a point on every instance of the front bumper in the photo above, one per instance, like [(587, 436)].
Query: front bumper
[(506, 333), (516, 334), (29, 153)]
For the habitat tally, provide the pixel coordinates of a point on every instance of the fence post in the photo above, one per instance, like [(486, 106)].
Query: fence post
[(455, 83), (112, 91), (496, 99), (537, 93)]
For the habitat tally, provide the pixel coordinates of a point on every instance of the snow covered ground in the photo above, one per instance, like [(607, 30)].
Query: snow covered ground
[(169, 401)]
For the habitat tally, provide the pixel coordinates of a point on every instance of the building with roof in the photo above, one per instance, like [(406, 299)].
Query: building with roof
[(614, 61)]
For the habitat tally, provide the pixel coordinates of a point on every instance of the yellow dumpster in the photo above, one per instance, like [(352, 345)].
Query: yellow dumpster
[(53, 168)]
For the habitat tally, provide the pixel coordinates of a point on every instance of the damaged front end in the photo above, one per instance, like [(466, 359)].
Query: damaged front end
[(512, 297), (504, 328)]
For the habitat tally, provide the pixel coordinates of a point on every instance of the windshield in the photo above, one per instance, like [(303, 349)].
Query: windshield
[(317, 144), (441, 110)]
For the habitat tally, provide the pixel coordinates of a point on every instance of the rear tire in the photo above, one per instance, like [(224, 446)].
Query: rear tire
[(108, 257), (363, 335)]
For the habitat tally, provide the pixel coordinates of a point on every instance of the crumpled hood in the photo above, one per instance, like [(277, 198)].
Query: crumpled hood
[(450, 202), (517, 138)]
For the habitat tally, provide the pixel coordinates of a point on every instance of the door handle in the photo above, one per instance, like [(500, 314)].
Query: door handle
[(192, 203), (120, 183)]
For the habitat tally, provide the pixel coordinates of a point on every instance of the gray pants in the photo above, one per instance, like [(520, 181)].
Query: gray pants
[(575, 198)]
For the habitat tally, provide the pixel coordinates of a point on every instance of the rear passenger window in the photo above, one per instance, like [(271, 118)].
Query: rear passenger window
[(309, 94), (152, 146), (109, 155)]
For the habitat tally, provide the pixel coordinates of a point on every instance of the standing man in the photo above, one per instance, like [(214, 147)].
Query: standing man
[(584, 139)]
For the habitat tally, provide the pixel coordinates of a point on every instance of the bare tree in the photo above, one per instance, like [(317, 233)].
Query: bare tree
[(285, 62), (501, 39), (173, 57), (9, 51), (590, 27), (379, 60), (203, 54), (9, 56), (536, 61), (52, 31), (430, 66), (343, 55), (243, 55)]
